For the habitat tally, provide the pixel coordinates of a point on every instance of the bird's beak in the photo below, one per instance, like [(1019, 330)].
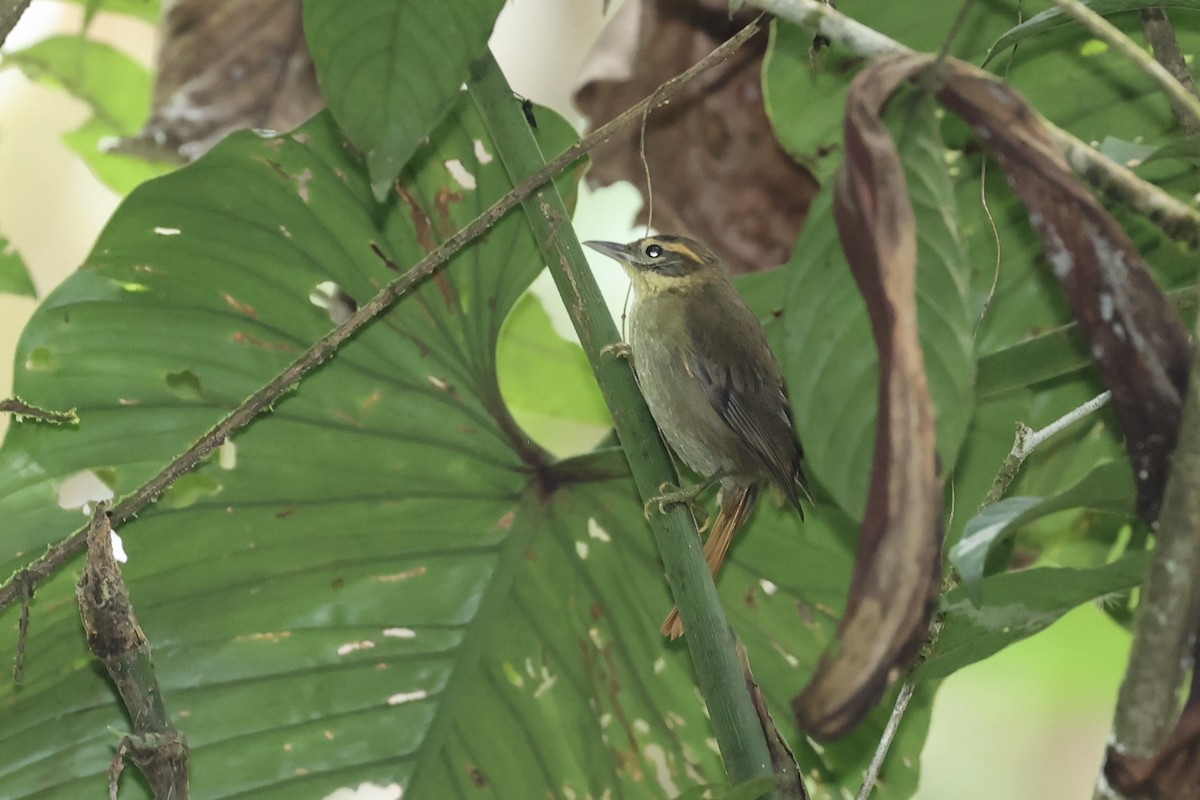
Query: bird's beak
[(618, 252)]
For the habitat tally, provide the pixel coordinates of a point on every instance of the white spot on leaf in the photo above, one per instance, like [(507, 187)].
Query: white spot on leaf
[(596, 532), (367, 791), (482, 153), (401, 698), (161, 231), (460, 174), (400, 633), (662, 773), (118, 547), (581, 549), (350, 647), (81, 490)]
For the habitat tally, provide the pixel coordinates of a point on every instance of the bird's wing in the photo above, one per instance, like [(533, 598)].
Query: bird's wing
[(744, 388)]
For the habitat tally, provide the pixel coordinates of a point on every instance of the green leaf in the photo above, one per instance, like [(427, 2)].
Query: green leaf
[(116, 87), (388, 579), (1020, 604), (788, 82), (1050, 355), (547, 381), (829, 355), (1108, 487), (14, 275), (1054, 18), (118, 171), (390, 70), (376, 565)]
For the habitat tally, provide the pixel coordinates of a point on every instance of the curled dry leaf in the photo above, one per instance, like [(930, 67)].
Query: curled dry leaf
[(897, 567), (715, 168), (1137, 341), (224, 66)]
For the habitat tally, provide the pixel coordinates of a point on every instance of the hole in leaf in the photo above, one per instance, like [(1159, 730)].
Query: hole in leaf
[(190, 489), (334, 300), (84, 488), (184, 384), (460, 174), (41, 359), (481, 152), (227, 455)]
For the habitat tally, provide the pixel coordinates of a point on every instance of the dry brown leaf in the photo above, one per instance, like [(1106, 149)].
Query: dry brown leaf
[(225, 65), (1137, 341), (898, 564), (716, 169)]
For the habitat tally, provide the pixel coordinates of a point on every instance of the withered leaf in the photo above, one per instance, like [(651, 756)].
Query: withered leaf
[(716, 170), (1137, 341), (897, 567), (225, 65)]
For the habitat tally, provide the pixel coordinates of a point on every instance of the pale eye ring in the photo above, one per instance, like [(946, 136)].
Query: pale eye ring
[(653, 251)]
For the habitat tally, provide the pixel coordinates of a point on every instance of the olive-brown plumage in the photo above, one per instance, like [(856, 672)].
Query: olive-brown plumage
[(709, 378)]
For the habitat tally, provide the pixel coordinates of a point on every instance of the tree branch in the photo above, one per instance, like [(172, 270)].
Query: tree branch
[(1175, 219), (1169, 613), (287, 380), (1164, 45)]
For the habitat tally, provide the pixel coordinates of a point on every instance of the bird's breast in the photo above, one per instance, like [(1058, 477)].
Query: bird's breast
[(659, 344)]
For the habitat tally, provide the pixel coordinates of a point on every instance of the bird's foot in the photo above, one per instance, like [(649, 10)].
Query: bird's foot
[(672, 494), (618, 349)]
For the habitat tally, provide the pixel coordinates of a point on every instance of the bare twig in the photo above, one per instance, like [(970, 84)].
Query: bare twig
[(1027, 440), (1110, 34), (17, 406), (885, 741), (1165, 47), (1175, 219), (327, 346)]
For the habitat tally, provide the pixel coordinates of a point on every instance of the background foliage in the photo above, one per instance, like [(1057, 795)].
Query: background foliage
[(376, 584)]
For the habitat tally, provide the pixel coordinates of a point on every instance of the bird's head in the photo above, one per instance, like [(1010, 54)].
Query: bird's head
[(658, 263)]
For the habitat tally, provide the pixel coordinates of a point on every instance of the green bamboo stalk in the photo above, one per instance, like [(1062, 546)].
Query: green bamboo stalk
[(709, 637)]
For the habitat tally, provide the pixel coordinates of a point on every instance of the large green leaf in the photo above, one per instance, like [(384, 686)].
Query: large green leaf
[(1020, 604), (115, 86), (117, 89), (391, 69), (389, 580), (1108, 487), (829, 354)]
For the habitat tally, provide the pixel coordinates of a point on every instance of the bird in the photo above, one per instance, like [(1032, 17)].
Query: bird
[(711, 382)]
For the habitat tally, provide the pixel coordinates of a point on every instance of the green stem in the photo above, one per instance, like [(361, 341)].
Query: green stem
[(709, 637)]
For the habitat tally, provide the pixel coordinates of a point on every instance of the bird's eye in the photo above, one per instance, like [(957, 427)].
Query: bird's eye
[(653, 251)]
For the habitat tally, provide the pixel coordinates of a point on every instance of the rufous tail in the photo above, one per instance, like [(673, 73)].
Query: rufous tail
[(731, 517)]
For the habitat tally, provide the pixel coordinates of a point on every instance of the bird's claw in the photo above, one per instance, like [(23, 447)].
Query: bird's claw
[(672, 494), (618, 349)]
